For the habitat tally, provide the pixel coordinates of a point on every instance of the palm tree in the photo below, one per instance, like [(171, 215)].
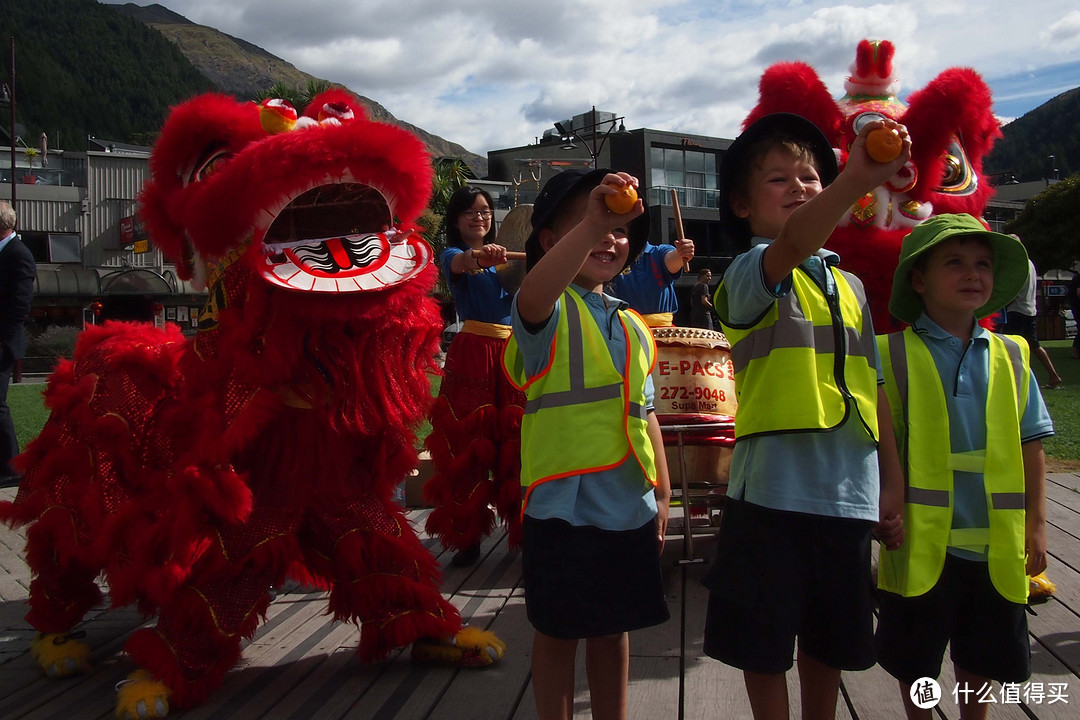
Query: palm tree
[(299, 98), (451, 173)]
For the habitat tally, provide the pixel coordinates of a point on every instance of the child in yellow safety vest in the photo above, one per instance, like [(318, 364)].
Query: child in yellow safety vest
[(593, 472), (969, 419)]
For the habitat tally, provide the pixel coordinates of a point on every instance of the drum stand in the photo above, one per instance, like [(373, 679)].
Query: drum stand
[(688, 557)]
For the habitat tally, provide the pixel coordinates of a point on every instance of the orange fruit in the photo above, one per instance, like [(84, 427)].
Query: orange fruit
[(623, 200), (883, 144)]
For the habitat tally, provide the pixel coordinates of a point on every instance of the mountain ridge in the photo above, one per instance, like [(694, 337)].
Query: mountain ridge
[(242, 68)]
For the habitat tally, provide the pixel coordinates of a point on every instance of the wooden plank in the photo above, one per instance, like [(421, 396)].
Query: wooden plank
[(409, 691), (1065, 489)]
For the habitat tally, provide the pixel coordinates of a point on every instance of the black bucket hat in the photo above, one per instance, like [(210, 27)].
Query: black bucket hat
[(567, 184), (780, 125)]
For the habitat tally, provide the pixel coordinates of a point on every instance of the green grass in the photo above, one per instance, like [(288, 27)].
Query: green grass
[(29, 413), (1063, 402), (27, 410)]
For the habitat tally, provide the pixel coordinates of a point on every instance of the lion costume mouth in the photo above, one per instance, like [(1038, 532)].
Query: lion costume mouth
[(338, 238)]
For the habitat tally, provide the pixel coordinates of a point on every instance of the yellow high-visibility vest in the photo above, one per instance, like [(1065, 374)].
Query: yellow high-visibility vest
[(921, 424), (807, 363), (582, 414)]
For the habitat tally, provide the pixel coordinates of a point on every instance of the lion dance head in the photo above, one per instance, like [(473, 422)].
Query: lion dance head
[(952, 129)]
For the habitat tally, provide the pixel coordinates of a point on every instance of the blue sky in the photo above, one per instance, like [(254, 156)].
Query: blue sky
[(498, 73)]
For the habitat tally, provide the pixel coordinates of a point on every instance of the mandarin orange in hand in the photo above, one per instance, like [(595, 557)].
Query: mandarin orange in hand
[(883, 144), (623, 200)]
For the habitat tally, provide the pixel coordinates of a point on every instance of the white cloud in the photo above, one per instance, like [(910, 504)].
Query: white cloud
[(492, 73)]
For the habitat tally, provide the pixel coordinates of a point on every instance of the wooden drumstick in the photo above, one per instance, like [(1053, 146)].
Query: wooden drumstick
[(678, 224), (510, 255)]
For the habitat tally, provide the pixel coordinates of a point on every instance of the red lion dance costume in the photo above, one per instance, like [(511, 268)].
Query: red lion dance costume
[(952, 128), (196, 474)]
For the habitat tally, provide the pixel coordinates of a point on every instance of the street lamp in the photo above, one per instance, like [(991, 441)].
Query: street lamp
[(595, 144), (7, 95)]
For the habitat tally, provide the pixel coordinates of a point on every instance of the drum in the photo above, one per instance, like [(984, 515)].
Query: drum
[(693, 373), (513, 232), (695, 402)]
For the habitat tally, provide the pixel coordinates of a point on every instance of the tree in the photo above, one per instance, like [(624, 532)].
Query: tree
[(299, 98), (1049, 225), (451, 173)]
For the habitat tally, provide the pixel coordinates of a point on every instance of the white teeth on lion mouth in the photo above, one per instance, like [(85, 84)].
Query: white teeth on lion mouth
[(346, 263)]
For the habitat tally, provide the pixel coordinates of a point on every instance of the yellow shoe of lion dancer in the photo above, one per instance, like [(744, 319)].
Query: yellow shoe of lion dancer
[(470, 648), (1042, 588), (141, 696), (60, 654)]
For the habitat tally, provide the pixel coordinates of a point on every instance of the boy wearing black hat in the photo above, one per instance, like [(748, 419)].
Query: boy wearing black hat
[(968, 414), (593, 473), (793, 553)]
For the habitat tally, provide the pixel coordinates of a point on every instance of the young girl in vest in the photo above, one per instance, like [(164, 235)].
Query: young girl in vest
[(593, 473), (968, 414)]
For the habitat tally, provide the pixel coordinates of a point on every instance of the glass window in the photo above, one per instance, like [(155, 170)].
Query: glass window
[(656, 157), (673, 160), (710, 163), (65, 248), (695, 162), (659, 176)]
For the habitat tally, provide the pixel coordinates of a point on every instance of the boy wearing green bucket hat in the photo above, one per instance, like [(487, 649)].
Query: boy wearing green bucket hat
[(969, 421)]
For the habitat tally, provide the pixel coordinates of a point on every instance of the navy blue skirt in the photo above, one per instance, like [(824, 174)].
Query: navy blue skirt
[(582, 582)]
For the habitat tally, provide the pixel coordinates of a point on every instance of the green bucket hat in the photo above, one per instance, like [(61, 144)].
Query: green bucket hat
[(1010, 264)]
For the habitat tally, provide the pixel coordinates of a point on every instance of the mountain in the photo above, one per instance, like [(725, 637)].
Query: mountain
[(243, 69), (1029, 141), (82, 69)]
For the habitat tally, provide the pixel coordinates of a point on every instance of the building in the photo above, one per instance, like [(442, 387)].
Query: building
[(77, 214), (663, 161)]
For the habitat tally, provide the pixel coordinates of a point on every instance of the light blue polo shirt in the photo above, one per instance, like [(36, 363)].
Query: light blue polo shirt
[(965, 377), (822, 473), (616, 499)]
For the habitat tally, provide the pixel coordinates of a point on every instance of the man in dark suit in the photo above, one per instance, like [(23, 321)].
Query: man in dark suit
[(17, 272)]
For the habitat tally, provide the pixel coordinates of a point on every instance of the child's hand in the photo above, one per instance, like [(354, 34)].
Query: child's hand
[(663, 507), (599, 215), (890, 531), (685, 249), (490, 256), (1035, 547), (869, 171)]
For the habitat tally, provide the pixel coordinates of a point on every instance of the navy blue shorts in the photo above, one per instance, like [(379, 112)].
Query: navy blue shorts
[(987, 634), (582, 582), (781, 575)]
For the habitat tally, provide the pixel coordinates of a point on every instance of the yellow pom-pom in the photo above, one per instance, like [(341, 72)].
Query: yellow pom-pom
[(277, 116)]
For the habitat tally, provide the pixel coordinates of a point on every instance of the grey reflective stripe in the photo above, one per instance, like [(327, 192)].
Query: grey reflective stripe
[(793, 330), (859, 345), (645, 344), (801, 334), (574, 344), (898, 356), (1016, 359), (923, 496), (1008, 501), (638, 411), (574, 397), (578, 394)]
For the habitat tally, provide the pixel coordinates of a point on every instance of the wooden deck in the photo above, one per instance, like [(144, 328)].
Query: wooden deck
[(302, 665)]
